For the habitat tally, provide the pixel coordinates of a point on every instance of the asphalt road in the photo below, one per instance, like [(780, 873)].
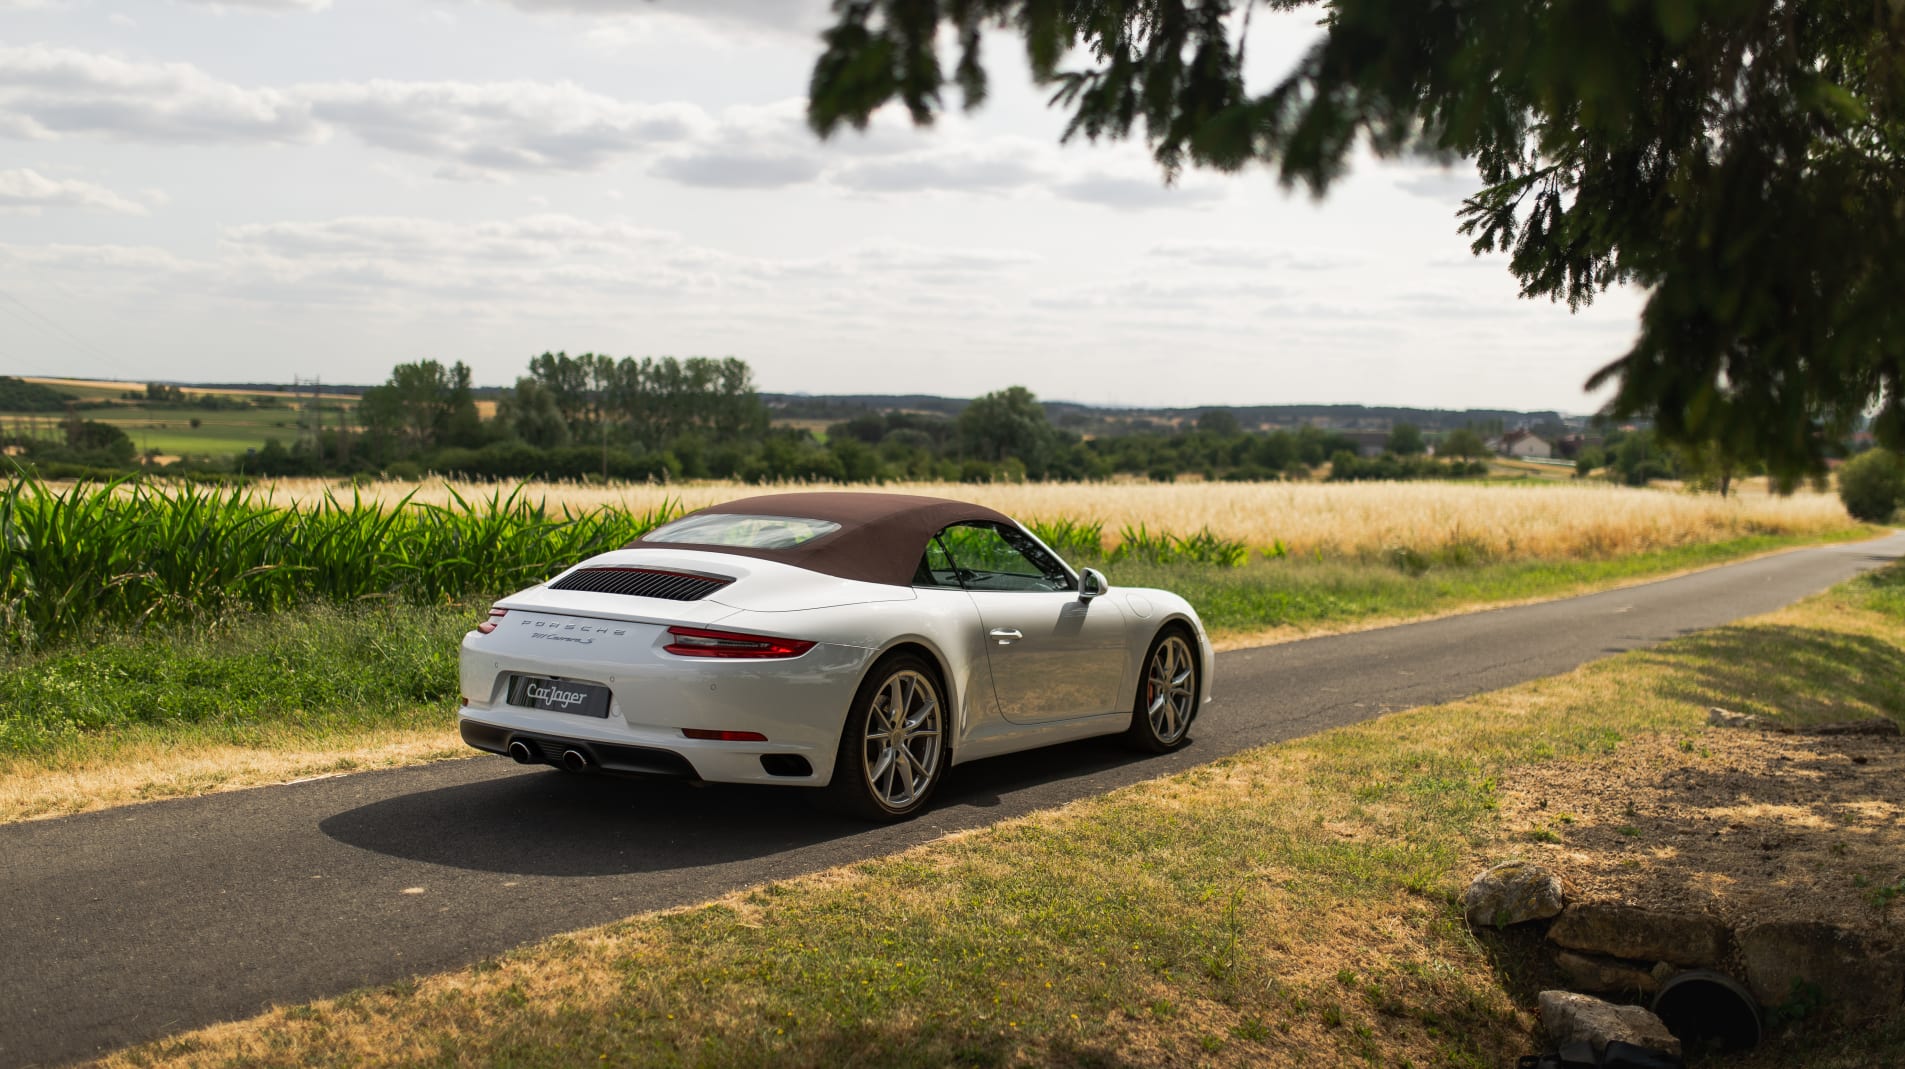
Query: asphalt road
[(133, 923)]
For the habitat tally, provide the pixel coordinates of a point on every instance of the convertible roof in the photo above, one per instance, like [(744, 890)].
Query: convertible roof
[(880, 540)]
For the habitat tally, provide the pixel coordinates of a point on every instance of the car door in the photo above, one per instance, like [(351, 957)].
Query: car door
[(1053, 655)]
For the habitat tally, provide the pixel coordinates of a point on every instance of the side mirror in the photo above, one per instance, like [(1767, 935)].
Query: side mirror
[(1092, 583)]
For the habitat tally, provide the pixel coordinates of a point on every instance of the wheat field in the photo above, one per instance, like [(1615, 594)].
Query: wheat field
[(1549, 521)]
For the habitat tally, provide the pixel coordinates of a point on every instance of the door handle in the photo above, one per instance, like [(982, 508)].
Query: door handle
[(1007, 634)]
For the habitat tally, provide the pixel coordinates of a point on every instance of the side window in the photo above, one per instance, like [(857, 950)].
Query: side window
[(985, 557), (936, 568)]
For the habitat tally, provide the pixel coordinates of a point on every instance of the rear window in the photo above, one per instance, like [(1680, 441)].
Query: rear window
[(746, 532)]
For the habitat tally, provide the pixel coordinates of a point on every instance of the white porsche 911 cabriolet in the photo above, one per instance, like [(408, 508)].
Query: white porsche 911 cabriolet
[(862, 643)]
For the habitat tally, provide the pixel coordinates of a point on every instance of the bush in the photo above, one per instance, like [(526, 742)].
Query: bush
[(1872, 485)]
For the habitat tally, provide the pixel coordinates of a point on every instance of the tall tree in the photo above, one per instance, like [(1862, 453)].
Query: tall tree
[(531, 413), (1008, 423), (421, 406), (1740, 160)]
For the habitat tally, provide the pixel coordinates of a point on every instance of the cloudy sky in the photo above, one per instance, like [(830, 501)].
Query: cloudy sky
[(256, 189)]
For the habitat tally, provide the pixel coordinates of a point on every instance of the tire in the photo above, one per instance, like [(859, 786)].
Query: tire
[(1168, 690), (888, 766)]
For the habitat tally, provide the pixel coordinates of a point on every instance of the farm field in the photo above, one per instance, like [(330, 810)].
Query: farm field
[(168, 428), (1292, 905), (1362, 521), (190, 639)]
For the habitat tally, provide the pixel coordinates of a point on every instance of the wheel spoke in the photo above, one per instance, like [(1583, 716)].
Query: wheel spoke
[(882, 765), (905, 769), (925, 712)]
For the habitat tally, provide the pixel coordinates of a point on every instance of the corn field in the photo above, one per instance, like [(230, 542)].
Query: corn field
[(122, 554)]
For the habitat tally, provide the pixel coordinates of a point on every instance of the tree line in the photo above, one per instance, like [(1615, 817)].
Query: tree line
[(594, 416)]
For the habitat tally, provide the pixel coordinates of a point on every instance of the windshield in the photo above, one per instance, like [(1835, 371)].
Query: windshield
[(748, 532)]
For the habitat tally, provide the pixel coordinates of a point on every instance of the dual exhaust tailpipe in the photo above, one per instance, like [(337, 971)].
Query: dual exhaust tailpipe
[(524, 754)]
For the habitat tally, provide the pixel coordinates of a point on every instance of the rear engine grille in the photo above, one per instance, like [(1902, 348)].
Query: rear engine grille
[(642, 583)]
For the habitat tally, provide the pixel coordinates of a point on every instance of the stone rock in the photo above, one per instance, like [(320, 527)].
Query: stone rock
[(1605, 976), (1852, 976), (1575, 1018), (1618, 931), (1513, 892), (1727, 718)]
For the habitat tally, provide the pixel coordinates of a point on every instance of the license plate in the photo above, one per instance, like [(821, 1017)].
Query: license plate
[(559, 696)]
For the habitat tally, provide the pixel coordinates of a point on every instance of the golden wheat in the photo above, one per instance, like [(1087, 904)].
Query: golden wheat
[(1552, 521)]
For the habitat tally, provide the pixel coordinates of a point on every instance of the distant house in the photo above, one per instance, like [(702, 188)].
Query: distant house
[(1522, 443)]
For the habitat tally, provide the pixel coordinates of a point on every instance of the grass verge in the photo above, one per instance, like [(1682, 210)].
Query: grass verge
[(1292, 905), (1269, 600), (259, 699), (248, 700)]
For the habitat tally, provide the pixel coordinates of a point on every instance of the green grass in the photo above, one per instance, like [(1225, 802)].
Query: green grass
[(1291, 905), (1308, 593), (322, 671)]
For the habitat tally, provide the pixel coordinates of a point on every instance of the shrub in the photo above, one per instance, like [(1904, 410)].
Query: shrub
[(1872, 485)]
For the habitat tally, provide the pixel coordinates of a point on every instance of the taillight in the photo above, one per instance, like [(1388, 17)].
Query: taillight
[(724, 736), (495, 617), (697, 642)]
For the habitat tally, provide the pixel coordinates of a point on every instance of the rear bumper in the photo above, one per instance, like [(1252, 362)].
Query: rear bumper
[(602, 756), (798, 704)]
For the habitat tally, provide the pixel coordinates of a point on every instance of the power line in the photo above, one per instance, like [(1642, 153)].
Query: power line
[(74, 338)]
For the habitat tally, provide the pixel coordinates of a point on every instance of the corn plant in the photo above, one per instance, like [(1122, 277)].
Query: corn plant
[(1072, 539), (1202, 547), (126, 553)]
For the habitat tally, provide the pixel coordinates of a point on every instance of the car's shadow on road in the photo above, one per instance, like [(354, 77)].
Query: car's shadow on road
[(543, 822)]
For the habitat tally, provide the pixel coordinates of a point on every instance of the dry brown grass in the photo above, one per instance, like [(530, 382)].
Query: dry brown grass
[(147, 771), (1564, 521)]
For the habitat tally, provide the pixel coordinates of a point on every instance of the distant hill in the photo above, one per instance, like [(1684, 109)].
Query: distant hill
[(1093, 418), (19, 395)]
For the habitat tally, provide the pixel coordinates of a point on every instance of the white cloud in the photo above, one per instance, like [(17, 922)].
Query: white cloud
[(47, 92), (1221, 254), (1136, 194), (270, 6), (776, 16), (28, 191), (995, 166), (1450, 185), (467, 129), (1241, 255), (537, 238), (135, 262), (500, 126)]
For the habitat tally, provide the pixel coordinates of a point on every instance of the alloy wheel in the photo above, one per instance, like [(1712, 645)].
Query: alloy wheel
[(1170, 690), (903, 742)]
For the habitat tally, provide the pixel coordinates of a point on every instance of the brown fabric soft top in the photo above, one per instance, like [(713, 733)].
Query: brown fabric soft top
[(881, 537)]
